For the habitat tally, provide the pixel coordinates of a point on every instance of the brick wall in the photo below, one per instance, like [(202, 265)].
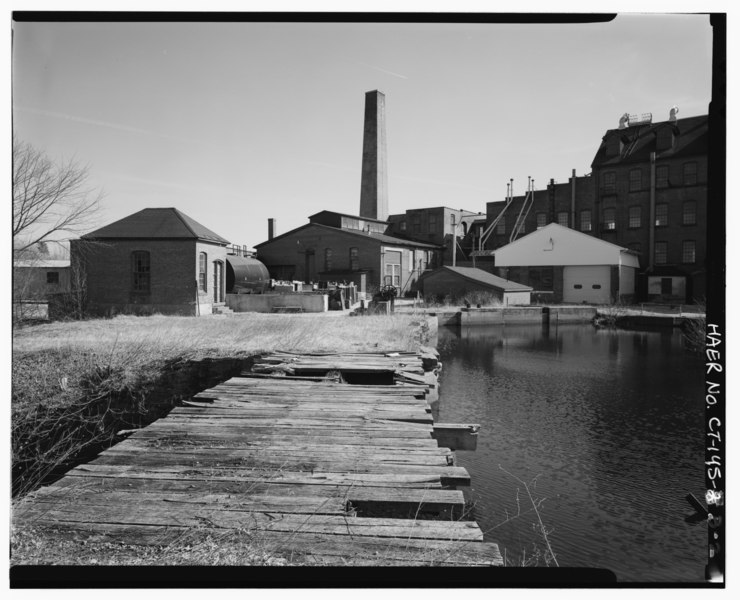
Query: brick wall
[(173, 275)]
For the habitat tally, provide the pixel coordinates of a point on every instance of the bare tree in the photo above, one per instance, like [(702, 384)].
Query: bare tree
[(48, 199)]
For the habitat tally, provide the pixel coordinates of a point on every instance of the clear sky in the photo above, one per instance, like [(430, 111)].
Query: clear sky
[(234, 123)]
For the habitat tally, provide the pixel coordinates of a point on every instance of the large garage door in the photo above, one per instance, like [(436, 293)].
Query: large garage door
[(587, 284)]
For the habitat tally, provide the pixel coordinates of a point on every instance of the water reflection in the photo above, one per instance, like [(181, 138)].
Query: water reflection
[(607, 425)]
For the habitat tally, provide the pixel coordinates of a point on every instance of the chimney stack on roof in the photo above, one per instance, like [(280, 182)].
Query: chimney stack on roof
[(270, 228), (374, 186)]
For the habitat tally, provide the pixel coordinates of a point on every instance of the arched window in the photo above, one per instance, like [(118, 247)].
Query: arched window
[(140, 272), (203, 272), (328, 259)]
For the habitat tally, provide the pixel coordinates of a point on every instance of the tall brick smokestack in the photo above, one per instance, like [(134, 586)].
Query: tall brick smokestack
[(374, 190)]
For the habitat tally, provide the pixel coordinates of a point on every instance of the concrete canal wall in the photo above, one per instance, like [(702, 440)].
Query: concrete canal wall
[(529, 314)]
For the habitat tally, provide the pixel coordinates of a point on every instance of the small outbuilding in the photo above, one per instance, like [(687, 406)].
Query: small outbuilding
[(564, 265), (459, 282), (158, 260)]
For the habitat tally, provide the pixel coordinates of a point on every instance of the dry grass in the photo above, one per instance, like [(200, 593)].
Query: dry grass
[(163, 337)]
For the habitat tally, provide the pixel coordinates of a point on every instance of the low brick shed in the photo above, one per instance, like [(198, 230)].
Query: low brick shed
[(457, 282)]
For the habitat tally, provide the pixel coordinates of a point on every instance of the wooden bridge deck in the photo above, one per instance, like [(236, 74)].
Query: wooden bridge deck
[(327, 471)]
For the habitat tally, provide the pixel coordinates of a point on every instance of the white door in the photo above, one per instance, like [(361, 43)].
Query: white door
[(587, 284)]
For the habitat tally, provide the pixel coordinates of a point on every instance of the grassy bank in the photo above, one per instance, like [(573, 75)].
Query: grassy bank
[(75, 384)]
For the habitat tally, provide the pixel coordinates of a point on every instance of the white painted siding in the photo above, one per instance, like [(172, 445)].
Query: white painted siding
[(626, 280), (517, 298), (589, 284)]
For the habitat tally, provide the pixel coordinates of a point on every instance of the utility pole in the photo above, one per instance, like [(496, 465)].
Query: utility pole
[(454, 240)]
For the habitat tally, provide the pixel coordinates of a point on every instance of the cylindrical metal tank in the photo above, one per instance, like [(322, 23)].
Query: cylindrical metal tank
[(246, 275)]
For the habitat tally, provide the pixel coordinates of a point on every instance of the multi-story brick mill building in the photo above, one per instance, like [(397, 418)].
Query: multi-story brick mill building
[(647, 191)]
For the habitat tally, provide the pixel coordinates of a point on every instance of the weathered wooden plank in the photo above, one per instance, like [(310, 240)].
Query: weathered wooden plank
[(344, 428), (90, 501), (296, 445), (339, 422), (142, 486), (447, 476), (417, 416), (194, 516), (280, 477), (367, 463), (270, 499), (236, 437)]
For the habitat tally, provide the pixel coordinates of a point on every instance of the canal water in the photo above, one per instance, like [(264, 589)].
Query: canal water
[(606, 429)]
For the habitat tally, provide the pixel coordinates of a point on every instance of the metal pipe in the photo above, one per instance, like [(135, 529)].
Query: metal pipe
[(573, 200), (651, 227)]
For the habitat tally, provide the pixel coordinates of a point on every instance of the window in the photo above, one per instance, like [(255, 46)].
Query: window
[(635, 180), (52, 277), (203, 271), (416, 223), (661, 176), (563, 219), (501, 226), (610, 219), (432, 223), (453, 220), (688, 252), (596, 286), (689, 173), (141, 271), (327, 259), (661, 215), (635, 217), (661, 253), (393, 275), (585, 220), (354, 259), (541, 220), (403, 226), (689, 213), (610, 182)]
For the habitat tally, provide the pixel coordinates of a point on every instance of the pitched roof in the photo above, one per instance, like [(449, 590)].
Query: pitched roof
[(380, 237), (640, 140), (157, 223), (486, 278)]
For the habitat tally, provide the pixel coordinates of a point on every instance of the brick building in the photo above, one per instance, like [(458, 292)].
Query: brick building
[(437, 226), (157, 260), (647, 191), (338, 247)]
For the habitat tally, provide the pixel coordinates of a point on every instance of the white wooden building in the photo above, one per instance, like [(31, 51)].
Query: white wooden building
[(565, 265)]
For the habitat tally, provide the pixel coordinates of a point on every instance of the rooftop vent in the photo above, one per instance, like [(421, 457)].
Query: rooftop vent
[(673, 113)]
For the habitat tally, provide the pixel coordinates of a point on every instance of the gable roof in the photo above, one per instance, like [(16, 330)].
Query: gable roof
[(379, 237), (555, 244), (484, 277), (157, 223)]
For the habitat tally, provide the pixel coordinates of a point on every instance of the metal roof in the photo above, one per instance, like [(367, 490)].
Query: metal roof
[(379, 237), (486, 278), (157, 223)]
